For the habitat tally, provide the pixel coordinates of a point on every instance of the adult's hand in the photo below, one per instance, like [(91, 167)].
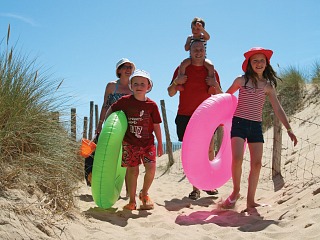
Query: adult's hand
[(211, 81), (181, 79)]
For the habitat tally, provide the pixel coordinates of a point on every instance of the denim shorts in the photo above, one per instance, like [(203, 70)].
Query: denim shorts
[(247, 129)]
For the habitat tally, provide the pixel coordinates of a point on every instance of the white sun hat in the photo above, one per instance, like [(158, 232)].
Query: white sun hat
[(123, 61), (141, 73)]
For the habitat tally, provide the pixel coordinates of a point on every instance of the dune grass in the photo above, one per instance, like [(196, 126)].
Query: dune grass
[(291, 93), (36, 151), (316, 78)]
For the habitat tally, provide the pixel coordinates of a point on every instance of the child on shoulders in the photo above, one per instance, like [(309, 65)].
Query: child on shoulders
[(199, 33)]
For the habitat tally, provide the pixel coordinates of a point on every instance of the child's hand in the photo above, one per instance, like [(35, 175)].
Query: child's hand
[(293, 138), (159, 150), (199, 25)]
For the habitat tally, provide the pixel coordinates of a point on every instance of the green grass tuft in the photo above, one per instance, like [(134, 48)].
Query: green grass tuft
[(35, 148), (291, 92)]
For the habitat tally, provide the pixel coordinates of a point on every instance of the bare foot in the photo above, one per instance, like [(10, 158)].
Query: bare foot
[(252, 205), (211, 155), (251, 212)]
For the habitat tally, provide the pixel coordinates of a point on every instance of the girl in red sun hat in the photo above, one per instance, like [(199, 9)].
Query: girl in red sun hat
[(259, 80)]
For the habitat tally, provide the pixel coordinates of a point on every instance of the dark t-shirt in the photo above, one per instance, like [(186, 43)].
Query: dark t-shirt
[(141, 116)]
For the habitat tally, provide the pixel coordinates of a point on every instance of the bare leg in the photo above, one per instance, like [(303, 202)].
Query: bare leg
[(237, 159), (126, 183), (184, 64), (147, 203), (210, 68), (148, 177), (211, 149), (182, 71), (132, 176), (256, 150)]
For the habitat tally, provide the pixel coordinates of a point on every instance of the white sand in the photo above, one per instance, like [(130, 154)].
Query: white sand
[(293, 211)]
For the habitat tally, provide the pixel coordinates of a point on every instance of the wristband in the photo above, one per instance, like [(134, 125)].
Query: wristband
[(289, 130), (175, 83)]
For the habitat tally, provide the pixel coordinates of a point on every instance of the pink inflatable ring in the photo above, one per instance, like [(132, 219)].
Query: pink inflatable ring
[(200, 171)]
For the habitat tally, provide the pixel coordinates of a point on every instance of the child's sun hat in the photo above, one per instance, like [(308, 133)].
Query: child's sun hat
[(268, 53), (141, 73)]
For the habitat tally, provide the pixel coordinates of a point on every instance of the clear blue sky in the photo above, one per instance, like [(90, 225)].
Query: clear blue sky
[(81, 41)]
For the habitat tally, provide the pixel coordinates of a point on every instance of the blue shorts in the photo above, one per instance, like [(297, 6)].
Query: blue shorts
[(247, 129)]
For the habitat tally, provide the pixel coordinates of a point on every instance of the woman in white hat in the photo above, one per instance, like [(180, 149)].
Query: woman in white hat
[(114, 90)]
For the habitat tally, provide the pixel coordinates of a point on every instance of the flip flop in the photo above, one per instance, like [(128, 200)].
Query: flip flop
[(230, 204)]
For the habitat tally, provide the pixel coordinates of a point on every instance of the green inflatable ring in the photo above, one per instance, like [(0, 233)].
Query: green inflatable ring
[(107, 173)]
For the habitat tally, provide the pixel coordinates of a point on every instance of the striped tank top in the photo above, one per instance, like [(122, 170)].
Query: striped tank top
[(250, 103), (201, 39)]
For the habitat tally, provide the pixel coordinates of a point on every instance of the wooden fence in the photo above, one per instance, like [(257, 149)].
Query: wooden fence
[(89, 128)]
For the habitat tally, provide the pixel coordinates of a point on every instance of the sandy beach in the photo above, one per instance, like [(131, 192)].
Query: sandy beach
[(291, 211)]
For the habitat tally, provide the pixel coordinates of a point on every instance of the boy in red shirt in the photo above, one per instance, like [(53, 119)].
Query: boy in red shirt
[(138, 143)]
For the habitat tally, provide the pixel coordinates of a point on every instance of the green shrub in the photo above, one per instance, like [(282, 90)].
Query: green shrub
[(316, 78), (35, 148), (291, 92)]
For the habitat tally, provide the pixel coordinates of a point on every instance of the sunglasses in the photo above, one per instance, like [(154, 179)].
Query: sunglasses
[(126, 67)]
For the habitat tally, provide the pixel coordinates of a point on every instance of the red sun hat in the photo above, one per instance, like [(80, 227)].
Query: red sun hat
[(268, 53)]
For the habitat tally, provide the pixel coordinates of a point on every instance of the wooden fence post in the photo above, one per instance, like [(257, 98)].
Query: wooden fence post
[(85, 127), (277, 143), (73, 123), (166, 129), (55, 116), (91, 120), (96, 110)]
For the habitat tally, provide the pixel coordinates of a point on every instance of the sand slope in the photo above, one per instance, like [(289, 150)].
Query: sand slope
[(292, 211)]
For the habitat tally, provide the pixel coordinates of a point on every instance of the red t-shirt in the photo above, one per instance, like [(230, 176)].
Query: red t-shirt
[(141, 116), (195, 89)]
